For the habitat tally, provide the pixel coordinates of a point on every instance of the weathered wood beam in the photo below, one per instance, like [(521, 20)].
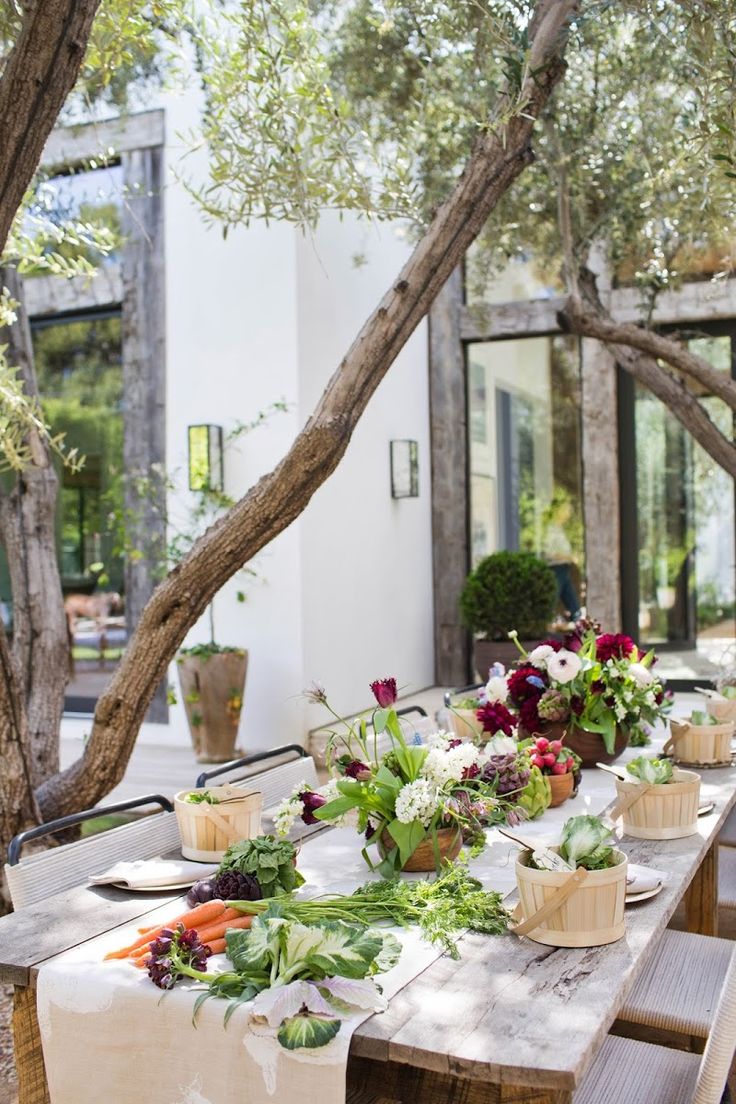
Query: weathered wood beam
[(76, 145), (704, 301), (449, 443), (50, 295)]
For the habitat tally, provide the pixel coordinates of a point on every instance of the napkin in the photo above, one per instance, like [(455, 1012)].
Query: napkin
[(642, 879), (154, 872)]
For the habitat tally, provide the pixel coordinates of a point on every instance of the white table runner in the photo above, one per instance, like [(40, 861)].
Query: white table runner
[(109, 1035)]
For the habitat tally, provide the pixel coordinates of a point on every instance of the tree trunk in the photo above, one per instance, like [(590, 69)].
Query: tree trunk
[(592, 321), (18, 808), (39, 74), (28, 529), (501, 153)]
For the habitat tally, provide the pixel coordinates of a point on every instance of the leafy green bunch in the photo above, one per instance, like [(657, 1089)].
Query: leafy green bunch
[(585, 843), (655, 771), (301, 976), (270, 861)]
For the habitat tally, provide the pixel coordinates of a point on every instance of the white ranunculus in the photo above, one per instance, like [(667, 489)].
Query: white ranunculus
[(641, 675), (563, 666), (496, 689), (501, 745), (539, 656)]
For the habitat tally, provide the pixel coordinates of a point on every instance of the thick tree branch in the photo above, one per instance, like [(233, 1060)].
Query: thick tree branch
[(592, 321), (28, 531), (39, 74), (500, 155)]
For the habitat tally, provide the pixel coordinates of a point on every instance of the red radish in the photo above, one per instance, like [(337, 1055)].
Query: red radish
[(555, 746), (569, 762), (559, 768), (549, 759), (537, 761), (542, 744)]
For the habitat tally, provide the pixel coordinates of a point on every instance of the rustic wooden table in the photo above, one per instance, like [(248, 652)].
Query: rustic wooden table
[(512, 1020)]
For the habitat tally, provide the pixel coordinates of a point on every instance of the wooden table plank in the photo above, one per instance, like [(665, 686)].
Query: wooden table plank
[(40, 932), (701, 899), (516, 1012)]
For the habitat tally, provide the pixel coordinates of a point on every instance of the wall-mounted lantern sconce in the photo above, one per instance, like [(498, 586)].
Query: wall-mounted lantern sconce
[(404, 469), (205, 458)]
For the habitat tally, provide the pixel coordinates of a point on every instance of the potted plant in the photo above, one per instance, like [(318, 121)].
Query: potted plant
[(558, 763), (416, 803), (212, 680), (589, 887), (507, 590), (657, 801), (592, 691)]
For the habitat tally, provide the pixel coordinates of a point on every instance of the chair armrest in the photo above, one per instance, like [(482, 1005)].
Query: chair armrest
[(248, 760)]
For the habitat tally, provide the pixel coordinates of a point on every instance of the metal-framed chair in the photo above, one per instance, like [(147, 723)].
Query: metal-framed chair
[(32, 877), (643, 1073), (276, 782)]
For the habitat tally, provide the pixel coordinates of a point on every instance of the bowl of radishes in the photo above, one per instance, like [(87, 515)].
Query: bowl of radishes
[(558, 763)]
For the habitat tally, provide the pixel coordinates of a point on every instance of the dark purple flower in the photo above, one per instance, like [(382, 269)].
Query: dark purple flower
[(577, 705), (454, 743), (311, 801), (370, 830), (472, 771), (172, 952), (529, 716), (598, 686), (613, 646), (384, 691), (357, 770), (495, 717)]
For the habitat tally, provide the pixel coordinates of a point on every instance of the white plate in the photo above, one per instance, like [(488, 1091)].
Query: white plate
[(632, 898), (150, 889), (706, 807)]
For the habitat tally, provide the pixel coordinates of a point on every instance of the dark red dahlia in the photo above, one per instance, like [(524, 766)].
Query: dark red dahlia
[(555, 645), (472, 771), (613, 646), (525, 683), (495, 717), (598, 686), (529, 716), (384, 691)]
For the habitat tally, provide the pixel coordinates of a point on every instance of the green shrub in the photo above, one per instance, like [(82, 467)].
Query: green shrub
[(509, 590)]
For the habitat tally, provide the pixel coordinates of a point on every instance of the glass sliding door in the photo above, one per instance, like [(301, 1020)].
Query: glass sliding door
[(525, 462), (684, 520)]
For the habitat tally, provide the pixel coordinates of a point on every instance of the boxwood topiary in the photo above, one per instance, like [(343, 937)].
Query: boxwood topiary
[(509, 590)]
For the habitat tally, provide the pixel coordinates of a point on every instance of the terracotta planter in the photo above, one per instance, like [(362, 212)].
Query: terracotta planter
[(488, 652), (212, 688), (590, 917), (561, 786), (702, 745), (464, 723), (449, 842), (666, 811)]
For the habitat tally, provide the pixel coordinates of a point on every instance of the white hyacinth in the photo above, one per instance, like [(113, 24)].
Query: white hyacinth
[(287, 814), (442, 766), (563, 666), (538, 656), (641, 675), (438, 740), (417, 801)]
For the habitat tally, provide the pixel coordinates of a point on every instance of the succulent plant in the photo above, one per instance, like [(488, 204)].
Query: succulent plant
[(553, 707), (510, 772)]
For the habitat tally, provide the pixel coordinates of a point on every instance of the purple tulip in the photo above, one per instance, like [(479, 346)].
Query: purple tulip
[(311, 802), (357, 770), (384, 691)]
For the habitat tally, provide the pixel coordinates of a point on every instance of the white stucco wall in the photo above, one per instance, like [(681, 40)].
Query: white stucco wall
[(366, 559)]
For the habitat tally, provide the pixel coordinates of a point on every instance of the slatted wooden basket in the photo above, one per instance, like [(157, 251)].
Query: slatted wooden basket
[(722, 710), (591, 909), (207, 830), (701, 745), (464, 723), (666, 811)]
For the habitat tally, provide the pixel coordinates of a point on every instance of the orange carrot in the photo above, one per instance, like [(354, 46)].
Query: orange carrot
[(217, 946), (217, 931), (201, 915)]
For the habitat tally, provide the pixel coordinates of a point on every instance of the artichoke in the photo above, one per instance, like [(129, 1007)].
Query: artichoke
[(553, 707), (537, 794), (509, 772), (228, 886)]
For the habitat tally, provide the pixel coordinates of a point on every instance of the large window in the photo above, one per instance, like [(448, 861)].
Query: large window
[(685, 520), (525, 463)]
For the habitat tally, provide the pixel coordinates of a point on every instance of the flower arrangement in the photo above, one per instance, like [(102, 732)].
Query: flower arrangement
[(596, 683), (409, 794)]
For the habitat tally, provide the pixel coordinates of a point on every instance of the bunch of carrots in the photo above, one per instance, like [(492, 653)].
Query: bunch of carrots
[(210, 921)]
